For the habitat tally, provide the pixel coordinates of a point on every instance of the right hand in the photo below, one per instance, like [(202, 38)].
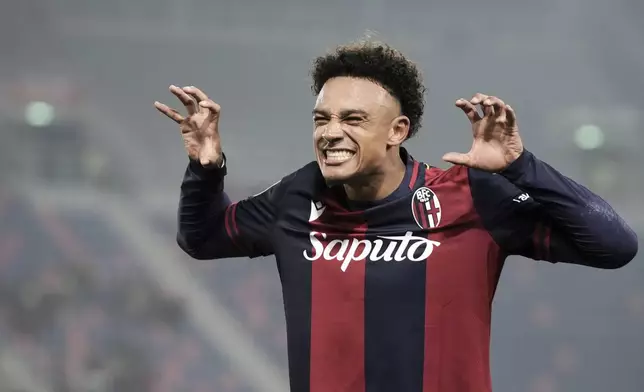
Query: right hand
[(200, 129)]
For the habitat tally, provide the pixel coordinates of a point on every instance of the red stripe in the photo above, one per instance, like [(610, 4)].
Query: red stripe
[(431, 364), (337, 316), (231, 225), (414, 175), (546, 242), (227, 223), (234, 220), (537, 244), (422, 213), (340, 211), (457, 341)]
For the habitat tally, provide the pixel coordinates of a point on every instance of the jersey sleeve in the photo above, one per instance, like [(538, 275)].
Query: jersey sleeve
[(210, 226), (532, 210)]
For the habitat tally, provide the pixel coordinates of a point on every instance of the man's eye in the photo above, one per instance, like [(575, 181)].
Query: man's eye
[(320, 121), (353, 119)]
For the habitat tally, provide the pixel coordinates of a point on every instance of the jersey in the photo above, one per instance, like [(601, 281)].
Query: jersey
[(396, 295)]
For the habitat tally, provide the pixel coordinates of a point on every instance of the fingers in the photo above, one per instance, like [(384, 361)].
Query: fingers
[(494, 107), (203, 100), (189, 102), (478, 98), (457, 158), (196, 93), (193, 99), (469, 109), (486, 104), (212, 107), (511, 116), (168, 111)]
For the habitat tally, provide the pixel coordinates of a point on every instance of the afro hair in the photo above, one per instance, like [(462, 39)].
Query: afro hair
[(381, 64)]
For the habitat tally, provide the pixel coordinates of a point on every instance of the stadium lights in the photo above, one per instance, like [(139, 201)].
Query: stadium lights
[(589, 137), (584, 128), (39, 114)]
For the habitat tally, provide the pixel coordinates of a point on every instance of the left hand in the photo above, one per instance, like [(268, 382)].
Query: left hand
[(496, 136)]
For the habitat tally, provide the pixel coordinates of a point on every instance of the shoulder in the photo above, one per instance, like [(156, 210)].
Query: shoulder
[(449, 192), (493, 190), (499, 203), (471, 191), (479, 182), (455, 174), (305, 177)]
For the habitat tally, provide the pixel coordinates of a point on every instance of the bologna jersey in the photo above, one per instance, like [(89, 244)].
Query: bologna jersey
[(396, 295)]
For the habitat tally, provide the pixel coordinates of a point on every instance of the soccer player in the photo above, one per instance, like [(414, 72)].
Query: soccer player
[(389, 265)]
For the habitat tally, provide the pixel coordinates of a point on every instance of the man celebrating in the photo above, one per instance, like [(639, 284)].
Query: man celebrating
[(389, 265)]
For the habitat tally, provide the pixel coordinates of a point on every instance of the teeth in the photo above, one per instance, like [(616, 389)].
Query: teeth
[(338, 155)]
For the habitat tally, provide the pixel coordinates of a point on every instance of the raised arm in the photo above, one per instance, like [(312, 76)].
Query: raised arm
[(532, 210), (210, 226)]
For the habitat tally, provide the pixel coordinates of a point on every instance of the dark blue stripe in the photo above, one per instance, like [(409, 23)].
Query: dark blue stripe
[(394, 326), (395, 313), (296, 290)]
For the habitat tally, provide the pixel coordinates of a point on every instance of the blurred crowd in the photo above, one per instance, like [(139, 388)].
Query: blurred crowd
[(78, 311)]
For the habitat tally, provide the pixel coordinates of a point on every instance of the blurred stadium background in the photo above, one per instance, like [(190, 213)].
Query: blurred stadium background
[(94, 294)]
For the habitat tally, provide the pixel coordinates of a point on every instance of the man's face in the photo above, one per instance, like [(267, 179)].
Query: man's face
[(355, 121)]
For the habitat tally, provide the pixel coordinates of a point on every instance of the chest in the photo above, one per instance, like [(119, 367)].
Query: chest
[(431, 239)]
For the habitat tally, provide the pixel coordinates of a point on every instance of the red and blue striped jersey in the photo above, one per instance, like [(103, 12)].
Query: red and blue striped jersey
[(396, 295)]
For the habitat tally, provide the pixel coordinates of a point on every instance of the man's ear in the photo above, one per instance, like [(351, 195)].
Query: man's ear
[(398, 131)]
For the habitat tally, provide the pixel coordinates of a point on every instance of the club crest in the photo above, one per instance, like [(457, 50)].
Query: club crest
[(426, 208)]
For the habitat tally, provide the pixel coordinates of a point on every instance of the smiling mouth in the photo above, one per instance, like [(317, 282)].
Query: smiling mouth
[(337, 156)]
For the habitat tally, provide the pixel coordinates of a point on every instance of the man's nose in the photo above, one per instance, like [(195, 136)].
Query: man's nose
[(334, 131)]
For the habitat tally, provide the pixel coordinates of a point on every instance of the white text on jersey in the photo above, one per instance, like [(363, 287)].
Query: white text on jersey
[(400, 248)]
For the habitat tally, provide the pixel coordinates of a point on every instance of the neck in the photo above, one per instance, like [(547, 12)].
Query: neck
[(380, 184)]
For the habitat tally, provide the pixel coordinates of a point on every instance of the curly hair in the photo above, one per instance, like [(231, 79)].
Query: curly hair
[(381, 64)]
